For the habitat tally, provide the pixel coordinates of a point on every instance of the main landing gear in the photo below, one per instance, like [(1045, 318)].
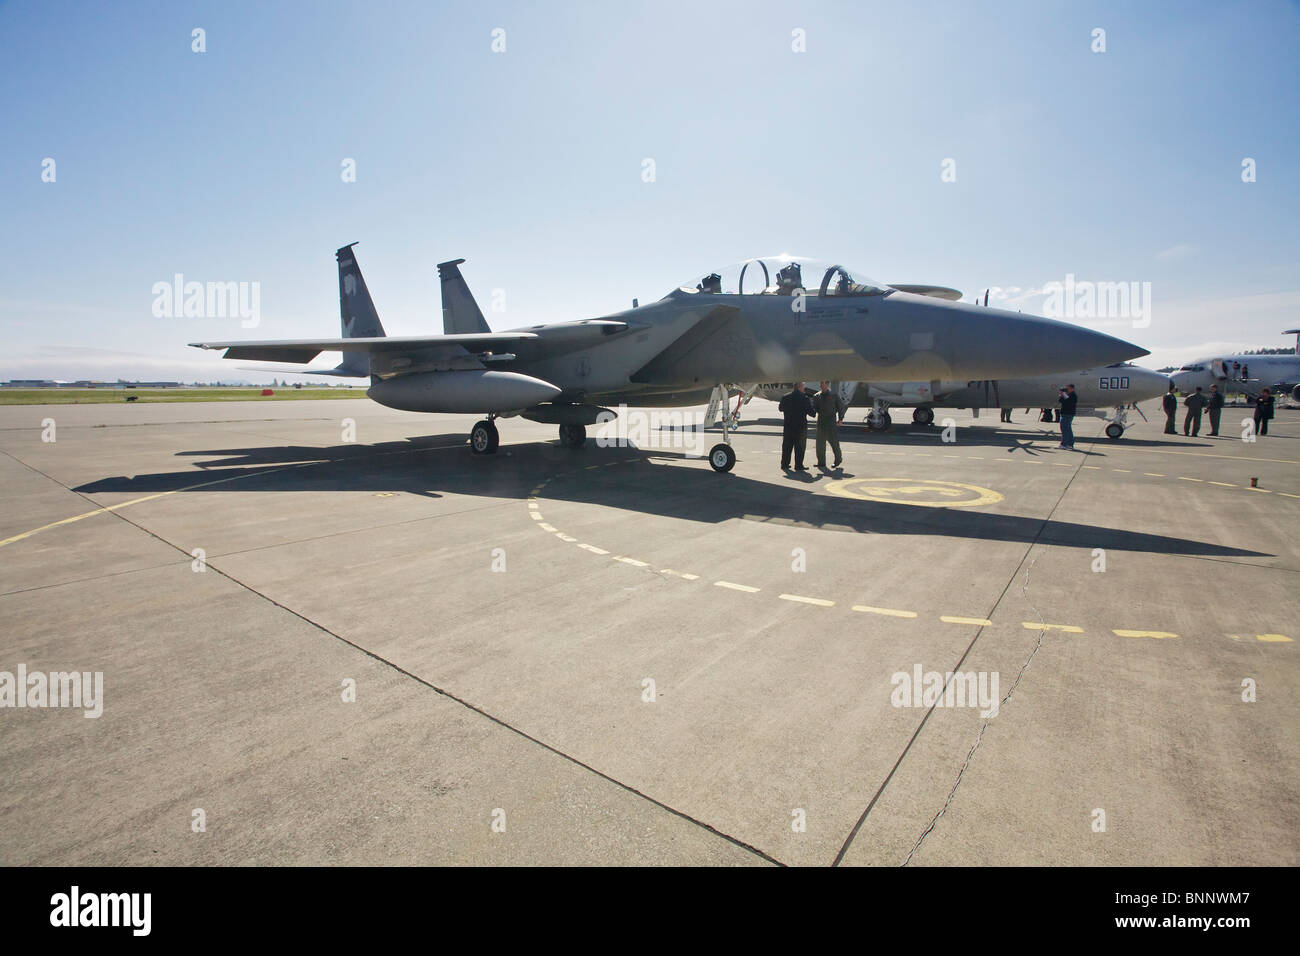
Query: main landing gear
[(923, 415), (878, 419), (484, 438), (573, 436)]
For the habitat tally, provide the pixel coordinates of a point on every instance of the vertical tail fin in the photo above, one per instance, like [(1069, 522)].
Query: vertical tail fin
[(356, 311), (460, 313)]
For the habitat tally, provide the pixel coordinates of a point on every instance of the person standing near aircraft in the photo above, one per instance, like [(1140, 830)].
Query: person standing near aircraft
[(796, 407), (1195, 402), (830, 412), (1068, 402), (1171, 410), (1263, 411), (1006, 414), (1215, 408)]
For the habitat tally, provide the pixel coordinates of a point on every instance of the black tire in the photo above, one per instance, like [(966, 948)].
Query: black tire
[(1114, 430), (923, 416), (484, 438), (573, 436), (889, 423), (721, 457)]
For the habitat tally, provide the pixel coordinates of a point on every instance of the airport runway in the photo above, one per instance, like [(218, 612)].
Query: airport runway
[(501, 619)]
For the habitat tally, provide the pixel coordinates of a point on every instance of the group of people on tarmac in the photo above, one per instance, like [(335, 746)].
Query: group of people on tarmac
[(796, 408), (1199, 402), (829, 410)]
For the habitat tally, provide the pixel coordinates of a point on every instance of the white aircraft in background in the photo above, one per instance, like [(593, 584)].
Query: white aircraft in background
[(1114, 387), (1262, 371)]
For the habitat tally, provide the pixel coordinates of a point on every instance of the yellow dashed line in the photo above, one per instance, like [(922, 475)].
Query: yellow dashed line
[(1185, 478), (1288, 494), (806, 600), (736, 587), (633, 561), (1274, 638), (533, 506), (1263, 491), (593, 549), (564, 537), (888, 611), (982, 622), (1152, 474), (1156, 634), (1035, 626), (546, 527), (535, 515), (1224, 484), (1124, 470)]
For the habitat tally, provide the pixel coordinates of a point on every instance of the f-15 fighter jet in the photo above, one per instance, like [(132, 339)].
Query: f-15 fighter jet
[(779, 318)]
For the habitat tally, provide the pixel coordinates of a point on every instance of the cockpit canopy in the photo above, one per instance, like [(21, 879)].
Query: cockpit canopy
[(786, 275)]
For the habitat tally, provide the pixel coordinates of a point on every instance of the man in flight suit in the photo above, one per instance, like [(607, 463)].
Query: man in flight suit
[(1192, 421), (1215, 408), (830, 412), (796, 407), (1171, 411)]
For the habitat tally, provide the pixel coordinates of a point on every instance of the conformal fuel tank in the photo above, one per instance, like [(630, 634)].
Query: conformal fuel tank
[(464, 391)]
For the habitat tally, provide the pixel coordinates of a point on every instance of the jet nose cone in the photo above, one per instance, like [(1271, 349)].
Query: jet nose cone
[(1060, 345)]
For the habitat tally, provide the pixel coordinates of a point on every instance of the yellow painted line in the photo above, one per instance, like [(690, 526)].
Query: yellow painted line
[(945, 456), (982, 622), (633, 561), (138, 501), (1223, 484), (564, 537), (590, 467), (1157, 634), (806, 600), (976, 457), (593, 549), (546, 527), (535, 515), (888, 611), (680, 574), (1125, 470), (736, 587), (1274, 638), (826, 352), (1185, 478), (533, 506), (1092, 467), (1035, 626), (1055, 464), (1153, 474), (1288, 494), (1263, 491)]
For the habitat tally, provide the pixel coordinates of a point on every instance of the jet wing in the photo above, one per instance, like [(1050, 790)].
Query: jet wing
[(302, 351)]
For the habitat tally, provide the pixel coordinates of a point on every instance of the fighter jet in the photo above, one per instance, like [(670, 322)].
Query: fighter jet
[(1245, 372), (1115, 387), (777, 318)]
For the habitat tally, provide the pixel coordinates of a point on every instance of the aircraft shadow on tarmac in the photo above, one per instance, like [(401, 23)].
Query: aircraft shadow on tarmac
[(429, 466)]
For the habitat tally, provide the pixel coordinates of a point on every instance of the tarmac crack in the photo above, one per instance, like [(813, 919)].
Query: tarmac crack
[(848, 842)]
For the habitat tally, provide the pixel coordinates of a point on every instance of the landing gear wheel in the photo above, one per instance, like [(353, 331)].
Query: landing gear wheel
[(573, 436), (923, 416), (483, 438), (1114, 430), (722, 458)]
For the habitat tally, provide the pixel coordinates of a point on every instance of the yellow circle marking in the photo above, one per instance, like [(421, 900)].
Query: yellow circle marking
[(924, 492)]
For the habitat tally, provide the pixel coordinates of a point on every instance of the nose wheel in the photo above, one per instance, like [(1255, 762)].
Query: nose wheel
[(722, 457)]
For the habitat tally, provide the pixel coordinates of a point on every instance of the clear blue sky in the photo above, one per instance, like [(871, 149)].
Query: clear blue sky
[(225, 165)]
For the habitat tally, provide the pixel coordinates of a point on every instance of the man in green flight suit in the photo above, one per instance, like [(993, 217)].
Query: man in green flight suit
[(830, 412)]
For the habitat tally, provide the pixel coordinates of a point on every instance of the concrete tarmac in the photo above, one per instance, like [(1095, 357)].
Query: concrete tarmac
[(330, 634)]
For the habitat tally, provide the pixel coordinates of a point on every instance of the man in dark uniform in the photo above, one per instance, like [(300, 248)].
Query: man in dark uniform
[(830, 412), (796, 407), (1215, 408), (1171, 411), (1195, 402), (1068, 402)]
